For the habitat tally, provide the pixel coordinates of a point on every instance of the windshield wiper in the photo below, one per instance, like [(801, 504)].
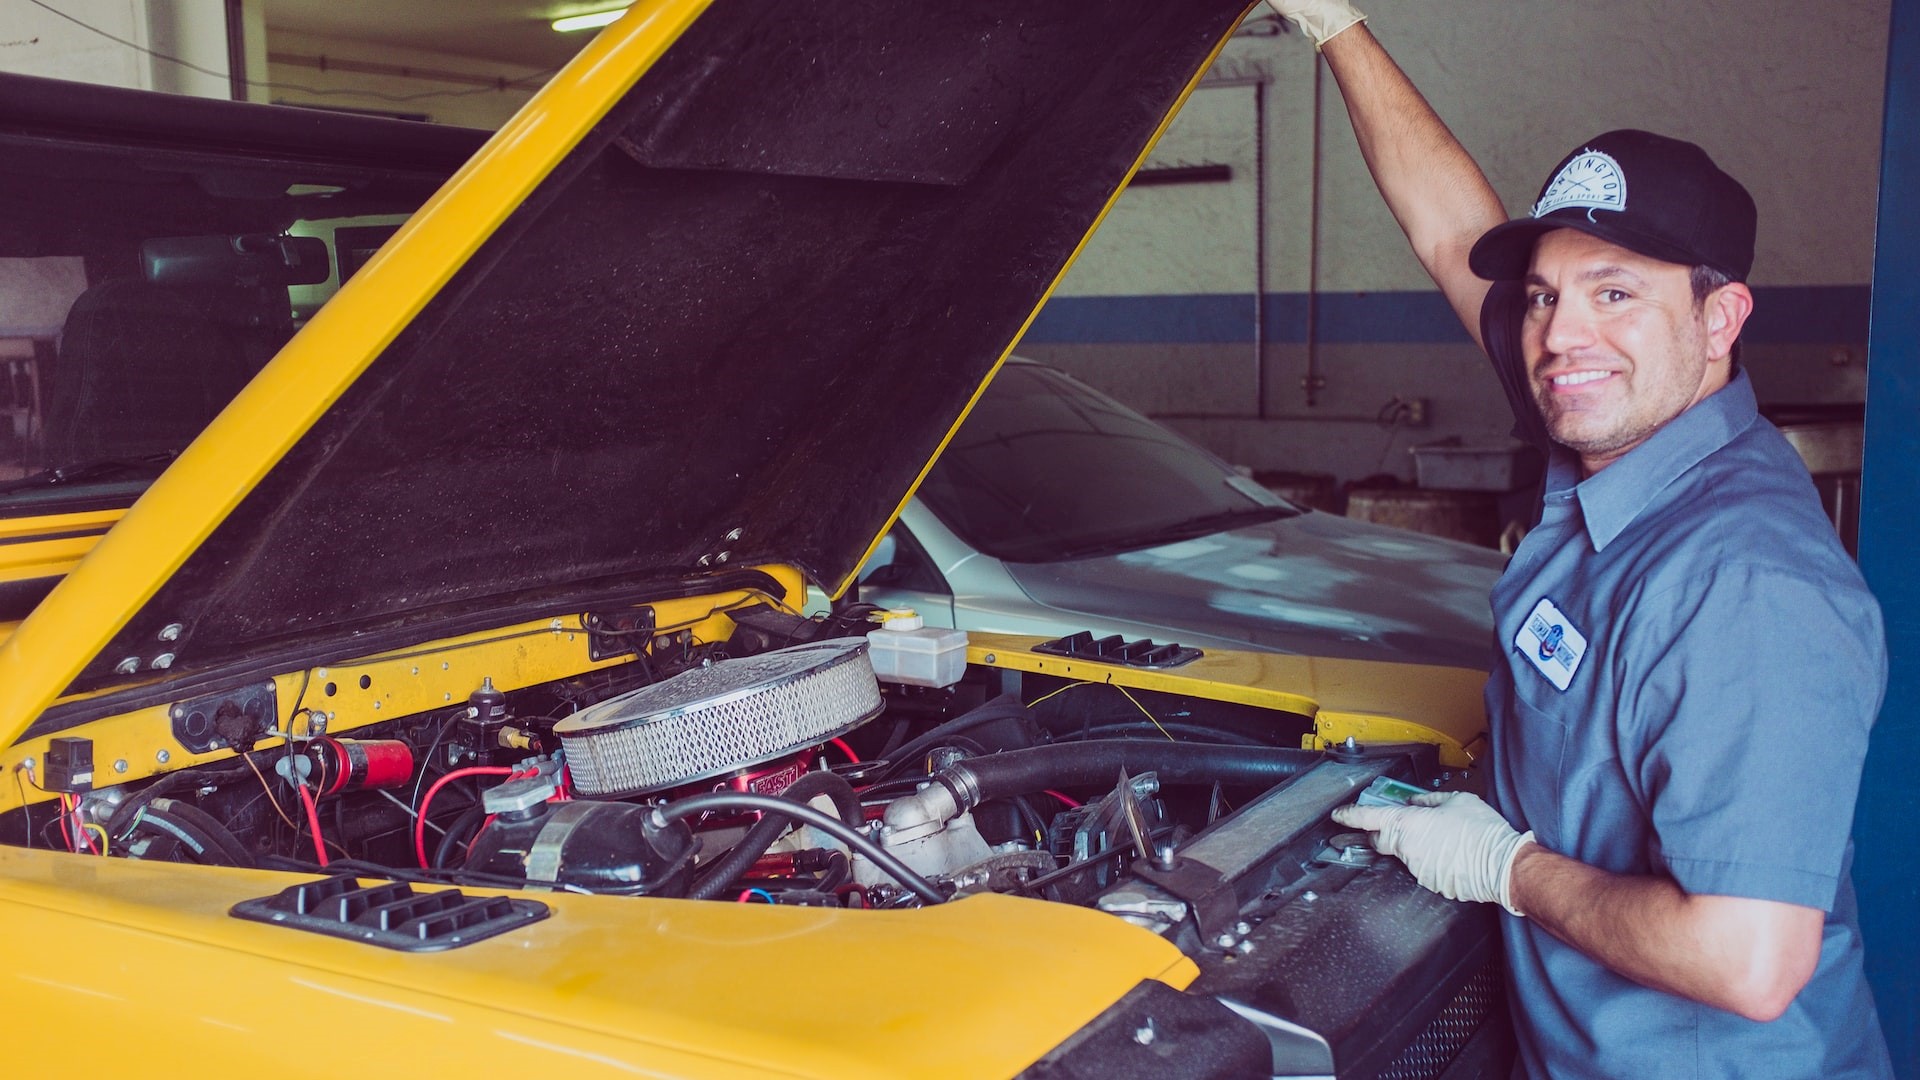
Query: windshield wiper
[(87, 471), (1175, 531)]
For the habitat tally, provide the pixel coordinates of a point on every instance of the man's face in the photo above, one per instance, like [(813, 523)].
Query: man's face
[(1615, 344)]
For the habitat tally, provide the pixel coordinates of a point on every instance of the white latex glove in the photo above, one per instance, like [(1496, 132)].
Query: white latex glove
[(1454, 843), (1319, 19)]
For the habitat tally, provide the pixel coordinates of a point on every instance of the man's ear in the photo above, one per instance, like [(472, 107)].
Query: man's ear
[(1725, 311)]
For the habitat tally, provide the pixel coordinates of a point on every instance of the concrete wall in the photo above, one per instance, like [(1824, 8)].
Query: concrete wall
[(177, 46), (1160, 310), (293, 61)]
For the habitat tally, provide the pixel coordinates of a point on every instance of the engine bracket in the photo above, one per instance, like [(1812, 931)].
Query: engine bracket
[(618, 633), (1215, 905), (230, 718)]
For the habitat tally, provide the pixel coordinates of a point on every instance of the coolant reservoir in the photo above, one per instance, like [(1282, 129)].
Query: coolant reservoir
[(906, 650)]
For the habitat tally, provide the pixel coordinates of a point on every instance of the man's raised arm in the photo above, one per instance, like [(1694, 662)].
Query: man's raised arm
[(1435, 190)]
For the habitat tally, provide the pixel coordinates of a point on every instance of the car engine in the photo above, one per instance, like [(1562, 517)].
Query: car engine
[(773, 767)]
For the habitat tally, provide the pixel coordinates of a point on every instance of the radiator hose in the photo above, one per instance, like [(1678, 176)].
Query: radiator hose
[(966, 784)]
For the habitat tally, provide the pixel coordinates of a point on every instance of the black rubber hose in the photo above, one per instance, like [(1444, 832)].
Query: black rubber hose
[(206, 823), (122, 818), (470, 819), (1099, 762), (190, 834), (1144, 728), (834, 827), (723, 872), (1004, 707)]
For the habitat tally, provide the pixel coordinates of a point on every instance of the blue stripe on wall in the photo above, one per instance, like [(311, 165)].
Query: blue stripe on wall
[(1783, 315)]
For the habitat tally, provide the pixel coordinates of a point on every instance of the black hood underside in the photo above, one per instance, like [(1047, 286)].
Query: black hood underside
[(731, 327)]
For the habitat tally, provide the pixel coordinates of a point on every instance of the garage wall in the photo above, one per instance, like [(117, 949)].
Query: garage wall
[(307, 69), (77, 40), (1161, 308)]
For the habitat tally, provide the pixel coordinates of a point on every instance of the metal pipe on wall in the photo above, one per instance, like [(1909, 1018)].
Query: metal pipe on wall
[(1312, 382), (1260, 249)]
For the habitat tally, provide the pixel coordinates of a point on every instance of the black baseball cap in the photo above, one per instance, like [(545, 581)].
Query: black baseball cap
[(1661, 197)]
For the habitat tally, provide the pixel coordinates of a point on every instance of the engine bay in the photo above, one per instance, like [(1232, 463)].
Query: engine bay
[(771, 766)]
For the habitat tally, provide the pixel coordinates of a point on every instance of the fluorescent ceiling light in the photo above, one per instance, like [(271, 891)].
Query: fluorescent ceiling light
[(590, 21)]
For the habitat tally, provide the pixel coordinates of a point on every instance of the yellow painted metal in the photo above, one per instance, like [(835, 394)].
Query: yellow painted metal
[(1374, 701), (50, 545), (403, 683), (1165, 122), (17, 528), (45, 652), (607, 986), (1332, 727)]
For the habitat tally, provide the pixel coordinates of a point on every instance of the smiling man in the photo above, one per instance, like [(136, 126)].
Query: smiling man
[(1691, 661)]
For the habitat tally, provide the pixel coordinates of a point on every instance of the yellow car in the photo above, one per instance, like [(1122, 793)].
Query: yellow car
[(442, 703)]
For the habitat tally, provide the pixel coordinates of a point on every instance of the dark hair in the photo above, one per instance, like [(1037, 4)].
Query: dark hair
[(1705, 280)]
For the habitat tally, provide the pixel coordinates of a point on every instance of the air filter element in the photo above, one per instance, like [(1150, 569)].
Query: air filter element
[(721, 718)]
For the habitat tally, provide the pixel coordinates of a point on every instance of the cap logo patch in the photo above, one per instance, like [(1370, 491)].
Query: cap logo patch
[(1592, 180)]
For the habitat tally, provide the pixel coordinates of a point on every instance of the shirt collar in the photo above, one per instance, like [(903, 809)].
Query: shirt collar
[(1611, 498)]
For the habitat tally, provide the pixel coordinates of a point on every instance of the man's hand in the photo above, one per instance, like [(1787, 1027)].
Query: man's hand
[(1454, 843), (1319, 19)]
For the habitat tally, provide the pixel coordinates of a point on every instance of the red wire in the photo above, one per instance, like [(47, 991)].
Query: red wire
[(852, 757), (1072, 803), (66, 822), (420, 821), (313, 822)]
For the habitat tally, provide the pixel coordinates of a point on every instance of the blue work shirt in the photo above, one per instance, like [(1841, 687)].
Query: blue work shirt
[(1692, 664)]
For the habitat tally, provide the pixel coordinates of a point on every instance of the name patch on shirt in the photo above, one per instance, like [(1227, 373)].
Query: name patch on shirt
[(1548, 639)]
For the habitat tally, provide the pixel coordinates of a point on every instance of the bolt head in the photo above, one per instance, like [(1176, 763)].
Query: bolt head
[(163, 757), (1310, 896), (120, 765), (1144, 1034), (128, 666), (734, 534), (171, 632), (161, 662), (1242, 929), (1225, 941), (1245, 948)]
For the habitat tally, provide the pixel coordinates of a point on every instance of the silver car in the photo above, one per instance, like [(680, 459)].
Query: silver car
[(1057, 509)]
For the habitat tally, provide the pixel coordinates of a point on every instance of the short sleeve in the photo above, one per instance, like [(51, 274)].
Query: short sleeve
[(1750, 729)]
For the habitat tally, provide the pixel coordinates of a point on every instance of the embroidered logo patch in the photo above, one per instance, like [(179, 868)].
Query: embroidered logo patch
[(1549, 640), (1592, 180)]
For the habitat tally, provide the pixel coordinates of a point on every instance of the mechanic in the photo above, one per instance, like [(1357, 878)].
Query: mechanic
[(1691, 661)]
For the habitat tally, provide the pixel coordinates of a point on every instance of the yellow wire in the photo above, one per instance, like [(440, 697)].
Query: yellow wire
[(1056, 693), (1155, 721), (101, 833), (1143, 711)]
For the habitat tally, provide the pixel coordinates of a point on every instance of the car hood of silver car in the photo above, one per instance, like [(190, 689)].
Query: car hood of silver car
[(1314, 583)]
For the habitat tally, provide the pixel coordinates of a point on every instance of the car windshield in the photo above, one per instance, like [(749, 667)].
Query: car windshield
[(140, 289), (1046, 468)]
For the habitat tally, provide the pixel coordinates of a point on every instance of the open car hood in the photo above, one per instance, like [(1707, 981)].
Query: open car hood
[(715, 298)]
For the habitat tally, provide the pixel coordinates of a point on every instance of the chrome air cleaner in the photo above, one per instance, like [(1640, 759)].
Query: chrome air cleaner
[(714, 720)]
